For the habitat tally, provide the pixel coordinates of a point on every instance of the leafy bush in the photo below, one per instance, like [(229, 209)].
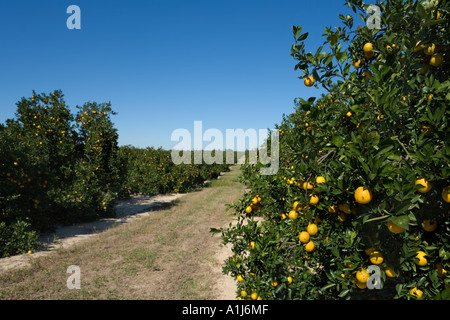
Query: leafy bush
[(367, 163)]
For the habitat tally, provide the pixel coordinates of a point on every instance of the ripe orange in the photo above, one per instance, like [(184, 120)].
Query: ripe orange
[(390, 272), (314, 200), (394, 228), (309, 81), (362, 276), (422, 260), (248, 209), (304, 237), (312, 229), (361, 285), (274, 283), (309, 246), (363, 196), (293, 215), (243, 293), (429, 225), (426, 186), (367, 74), (254, 296), (376, 257), (436, 60), (297, 206), (289, 279), (320, 180), (252, 245), (240, 278), (332, 209), (429, 49), (446, 194), (349, 114), (307, 185), (368, 47), (416, 293)]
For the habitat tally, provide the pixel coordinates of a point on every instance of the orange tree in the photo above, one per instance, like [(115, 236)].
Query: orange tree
[(360, 206), (55, 169)]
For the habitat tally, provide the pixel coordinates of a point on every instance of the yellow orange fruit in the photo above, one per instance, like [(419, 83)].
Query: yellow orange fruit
[(293, 215), (416, 292), (363, 196), (349, 114), (240, 278), (312, 229), (446, 194), (368, 47), (394, 228), (429, 225), (362, 275), (422, 261), (390, 272), (361, 285), (426, 186), (248, 209), (289, 279), (304, 237), (314, 200), (332, 209), (367, 74), (254, 296), (320, 180), (429, 49), (309, 246), (309, 81), (436, 60), (376, 257)]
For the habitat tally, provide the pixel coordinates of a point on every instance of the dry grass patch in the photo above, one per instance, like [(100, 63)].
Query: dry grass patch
[(169, 254)]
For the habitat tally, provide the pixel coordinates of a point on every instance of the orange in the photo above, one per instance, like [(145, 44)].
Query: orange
[(361, 285), (293, 215), (441, 272), (429, 225), (274, 283), (254, 296), (307, 185), (312, 229), (243, 293), (368, 47), (320, 180), (309, 81), (418, 47), (252, 245), (376, 257), (367, 74), (429, 49), (297, 206), (363, 196), (426, 186), (309, 246), (349, 114), (436, 60), (240, 278), (416, 292), (390, 272), (446, 194), (362, 276), (394, 228), (248, 209), (289, 279), (314, 200), (369, 54), (332, 209), (422, 260), (304, 237)]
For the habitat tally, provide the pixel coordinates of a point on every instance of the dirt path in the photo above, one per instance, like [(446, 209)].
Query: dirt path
[(164, 253)]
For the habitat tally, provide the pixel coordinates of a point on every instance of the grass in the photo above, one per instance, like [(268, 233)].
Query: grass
[(168, 255)]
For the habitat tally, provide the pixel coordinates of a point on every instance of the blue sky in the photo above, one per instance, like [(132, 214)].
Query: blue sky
[(163, 64)]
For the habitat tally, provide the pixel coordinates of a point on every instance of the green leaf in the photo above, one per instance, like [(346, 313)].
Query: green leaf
[(401, 221), (337, 141)]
